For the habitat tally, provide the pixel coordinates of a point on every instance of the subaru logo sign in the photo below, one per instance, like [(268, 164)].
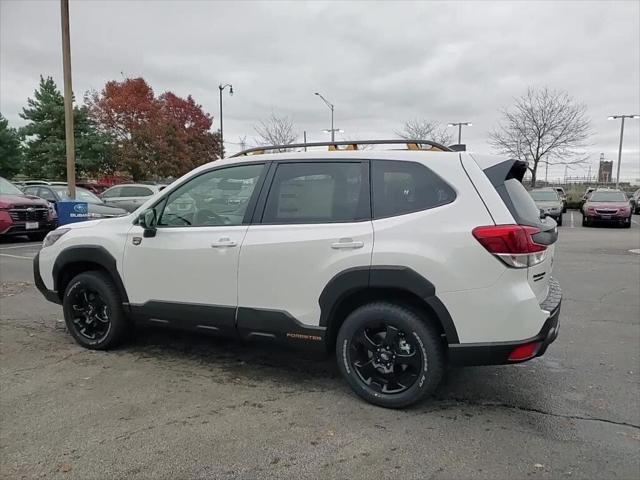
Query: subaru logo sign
[(80, 208)]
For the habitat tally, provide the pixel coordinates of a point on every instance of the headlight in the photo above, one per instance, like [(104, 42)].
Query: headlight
[(53, 236)]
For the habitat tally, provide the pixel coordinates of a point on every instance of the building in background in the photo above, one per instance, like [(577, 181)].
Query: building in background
[(604, 170)]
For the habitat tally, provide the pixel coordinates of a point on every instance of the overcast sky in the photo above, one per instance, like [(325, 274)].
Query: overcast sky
[(380, 63)]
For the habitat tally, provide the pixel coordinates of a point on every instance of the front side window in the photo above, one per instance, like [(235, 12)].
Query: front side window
[(318, 192), (219, 197), (405, 187)]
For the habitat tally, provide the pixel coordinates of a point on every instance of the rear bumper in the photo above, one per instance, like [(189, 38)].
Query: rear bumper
[(50, 295), (497, 353)]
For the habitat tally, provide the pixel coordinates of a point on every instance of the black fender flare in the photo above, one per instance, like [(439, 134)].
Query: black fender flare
[(88, 254), (356, 279)]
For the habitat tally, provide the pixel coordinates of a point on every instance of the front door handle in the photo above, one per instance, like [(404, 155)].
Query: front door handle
[(223, 242), (345, 243)]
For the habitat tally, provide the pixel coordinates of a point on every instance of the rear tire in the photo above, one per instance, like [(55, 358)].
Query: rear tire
[(584, 221), (389, 355), (559, 222), (93, 311)]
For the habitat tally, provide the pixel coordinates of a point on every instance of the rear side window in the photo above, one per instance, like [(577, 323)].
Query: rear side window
[(318, 192), (405, 187), (136, 192), (112, 192)]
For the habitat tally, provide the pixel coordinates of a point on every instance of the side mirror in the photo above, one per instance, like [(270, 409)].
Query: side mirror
[(543, 214), (148, 221)]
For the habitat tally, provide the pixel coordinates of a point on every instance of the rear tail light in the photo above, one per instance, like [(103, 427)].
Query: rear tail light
[(524, 352), (513, 244)]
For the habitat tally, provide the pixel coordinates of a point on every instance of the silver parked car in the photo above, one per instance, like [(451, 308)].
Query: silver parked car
[(549, 203), (129, 196)]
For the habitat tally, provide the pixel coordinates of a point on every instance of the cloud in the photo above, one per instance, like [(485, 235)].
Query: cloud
[(380, 63)]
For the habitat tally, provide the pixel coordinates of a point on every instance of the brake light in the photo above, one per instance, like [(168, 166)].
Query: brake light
[(513, 244)]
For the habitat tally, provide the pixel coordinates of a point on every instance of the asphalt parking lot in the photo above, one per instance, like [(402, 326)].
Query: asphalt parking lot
[(174, 405)]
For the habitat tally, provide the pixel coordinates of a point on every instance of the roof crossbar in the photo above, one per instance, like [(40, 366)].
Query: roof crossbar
[(348, 145)]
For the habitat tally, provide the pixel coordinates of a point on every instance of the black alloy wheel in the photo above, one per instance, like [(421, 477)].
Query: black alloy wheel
[(93, 312), (391, 355), (385, 358), (90, 314)]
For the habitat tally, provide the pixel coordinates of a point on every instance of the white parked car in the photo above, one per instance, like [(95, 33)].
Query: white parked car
[(401, 261)]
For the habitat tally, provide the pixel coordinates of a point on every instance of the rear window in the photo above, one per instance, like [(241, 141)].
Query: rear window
[(405, 187), (522, 207)]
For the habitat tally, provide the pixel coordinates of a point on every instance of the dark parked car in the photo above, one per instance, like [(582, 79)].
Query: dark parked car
[(606, 205), (57, 193), (22, 214), (549, 203), (563, 197), (129, 196)]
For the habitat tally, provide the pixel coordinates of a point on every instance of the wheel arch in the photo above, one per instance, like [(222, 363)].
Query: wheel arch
[(357, 286), (82, 258)]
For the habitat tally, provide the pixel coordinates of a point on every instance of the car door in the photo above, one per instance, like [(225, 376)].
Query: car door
[(111, 195), (187, 273), (314, 223)]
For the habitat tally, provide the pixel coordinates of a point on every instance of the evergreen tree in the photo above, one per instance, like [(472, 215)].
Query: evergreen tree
[(10, 149), (45, 147)]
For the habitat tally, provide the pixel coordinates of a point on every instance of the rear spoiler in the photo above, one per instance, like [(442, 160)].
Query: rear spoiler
[(506, 170)]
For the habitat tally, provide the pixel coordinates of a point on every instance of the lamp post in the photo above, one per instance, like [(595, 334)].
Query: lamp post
[(460, 125), (221, 88), (615, 117), (331, 107)]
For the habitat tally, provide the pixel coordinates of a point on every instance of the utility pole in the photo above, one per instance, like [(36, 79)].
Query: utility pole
[(305, 140), (221, 88), (615, 117), (68, 99)]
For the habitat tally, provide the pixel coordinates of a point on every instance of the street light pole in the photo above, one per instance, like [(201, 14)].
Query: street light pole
[(615, 117), (460, 125), (68, 99), (221, 88), (331, 107)]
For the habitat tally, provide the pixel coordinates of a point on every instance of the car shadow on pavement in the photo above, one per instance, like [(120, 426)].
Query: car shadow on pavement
[(250, 362)]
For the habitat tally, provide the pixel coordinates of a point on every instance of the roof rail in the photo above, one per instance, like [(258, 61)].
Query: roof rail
[(349, 145)]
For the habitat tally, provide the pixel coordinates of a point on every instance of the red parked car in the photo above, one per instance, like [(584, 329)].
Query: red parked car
[(22, 214), (604, 205)]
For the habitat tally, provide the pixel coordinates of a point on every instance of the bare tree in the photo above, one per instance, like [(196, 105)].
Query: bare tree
[(421, 129), (544, 126), (275, 131)]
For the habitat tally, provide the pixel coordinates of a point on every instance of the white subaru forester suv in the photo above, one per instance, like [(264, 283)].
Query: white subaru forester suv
[(403, 261)]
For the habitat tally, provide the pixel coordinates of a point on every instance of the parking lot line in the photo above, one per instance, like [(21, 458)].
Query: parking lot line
[(572, 226), (24, 245), (15, 256)]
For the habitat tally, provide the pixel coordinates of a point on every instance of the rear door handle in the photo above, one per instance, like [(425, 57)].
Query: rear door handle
[(223, 242), (345, 243)]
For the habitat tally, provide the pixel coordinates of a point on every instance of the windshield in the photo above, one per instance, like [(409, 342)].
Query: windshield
[(82, 195), (608, 197), (8, 188), (544, 196)]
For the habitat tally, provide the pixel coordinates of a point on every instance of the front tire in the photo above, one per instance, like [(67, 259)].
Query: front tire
[(389, 355), (93, 311)]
